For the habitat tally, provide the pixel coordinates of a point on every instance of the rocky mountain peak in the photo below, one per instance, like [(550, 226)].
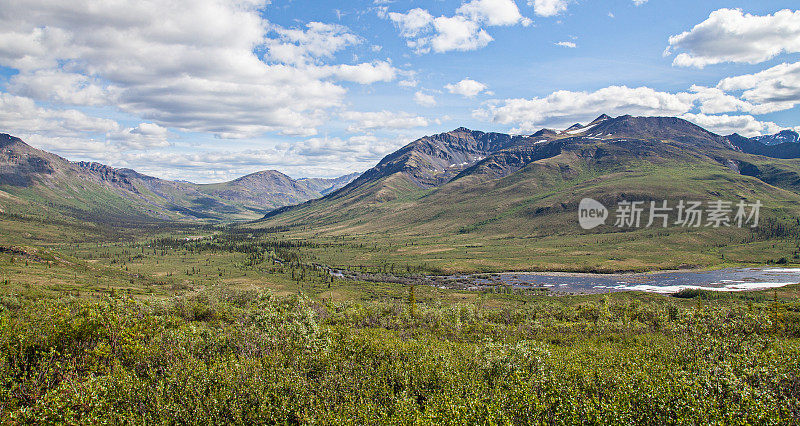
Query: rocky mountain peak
[(7, 140), (784, 136), (602, 117)]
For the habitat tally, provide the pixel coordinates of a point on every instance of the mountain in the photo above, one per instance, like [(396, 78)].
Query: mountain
[(784, 136), (516, 197), (434, 161), (757, 146), (38, 182), (326, 186)]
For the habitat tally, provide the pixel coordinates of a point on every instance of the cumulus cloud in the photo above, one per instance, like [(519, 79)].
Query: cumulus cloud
[(463, 31), (562, 108), (730, 35), (413, 22), (639, 2), (467, 87), (73, 133), (21, 115), (60, 87), (382, 120), (326, 157), (456, 33), (143, 136), (408, 82), (548, 7), (778, 86), (493, 12), (712, 100), (745, 125), (568, 44), (424, 99), (196, 66), (566, 107), (364, 73), (317, 40)]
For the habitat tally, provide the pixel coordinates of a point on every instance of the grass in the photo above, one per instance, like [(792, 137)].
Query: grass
[(528, 221), (181, 323), (160, 326)]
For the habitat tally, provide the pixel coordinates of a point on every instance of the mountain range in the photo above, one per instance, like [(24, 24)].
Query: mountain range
[(508, 202), (37, 182), (462, 181), (784, 136), (463, 158)]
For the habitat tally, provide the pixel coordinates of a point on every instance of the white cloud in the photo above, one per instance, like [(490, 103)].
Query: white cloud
[(729, 35), (374, 120), (20, 115), (327, 157), (60, 87), (143, 136), (319, 157), (71, 132), (189, 65), (639, 2), (548, 7), (467, 87), (462, 32), (457, 33), (745, 125), (424, 99), (563, 107), (712, 100), (412, 22), (409, 82), (778, 86), (569, 44), (318, 40), (493, 12), (362, 73)]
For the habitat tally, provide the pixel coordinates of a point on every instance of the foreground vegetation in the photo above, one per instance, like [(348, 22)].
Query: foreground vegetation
[(224, 356), (200, 326)]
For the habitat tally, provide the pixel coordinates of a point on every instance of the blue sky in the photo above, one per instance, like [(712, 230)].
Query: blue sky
[(209, 90)]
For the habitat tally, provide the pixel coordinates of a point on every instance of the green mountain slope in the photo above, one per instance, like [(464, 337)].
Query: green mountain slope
[(35, 182), (516, 208)]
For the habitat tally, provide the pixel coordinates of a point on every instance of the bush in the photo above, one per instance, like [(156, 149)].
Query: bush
[(688, 293), (226, 357)]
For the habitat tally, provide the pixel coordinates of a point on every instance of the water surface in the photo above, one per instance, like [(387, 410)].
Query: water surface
[(729, 279)]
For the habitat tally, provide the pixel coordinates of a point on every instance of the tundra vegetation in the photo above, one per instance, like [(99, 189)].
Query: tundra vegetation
[(212, 325)]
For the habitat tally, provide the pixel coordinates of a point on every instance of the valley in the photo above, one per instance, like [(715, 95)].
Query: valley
[(453, 270), (379, 212)]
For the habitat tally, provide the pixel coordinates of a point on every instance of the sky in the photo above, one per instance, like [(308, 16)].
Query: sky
[(210, 90)]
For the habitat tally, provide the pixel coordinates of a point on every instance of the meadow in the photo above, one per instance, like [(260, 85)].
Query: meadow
[(200, 325), (528, 220)]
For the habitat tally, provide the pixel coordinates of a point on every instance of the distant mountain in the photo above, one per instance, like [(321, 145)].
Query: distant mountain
[(788, 149), (38, 182), (784, 136), (434, 160), (495, 185), (326, 186)]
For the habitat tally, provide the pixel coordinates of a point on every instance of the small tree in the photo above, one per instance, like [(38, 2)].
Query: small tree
[(412, 301)]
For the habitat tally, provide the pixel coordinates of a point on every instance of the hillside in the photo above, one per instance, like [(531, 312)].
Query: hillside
[(36, 182), (326, 186), (513, 203), (785, 136)]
